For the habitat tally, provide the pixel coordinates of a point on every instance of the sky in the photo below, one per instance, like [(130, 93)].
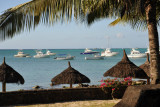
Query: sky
[(75, 35)]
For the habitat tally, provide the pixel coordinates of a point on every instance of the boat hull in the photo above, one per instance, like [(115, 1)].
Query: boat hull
[(89, 52), (94, 58), (64, 58), (23, 55), (51, 54), (137, 56), (109, 54), (43, 56)]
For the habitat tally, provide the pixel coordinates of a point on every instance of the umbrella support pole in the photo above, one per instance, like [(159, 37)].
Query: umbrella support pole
[(70, 85), (148, 80), (3, 87)]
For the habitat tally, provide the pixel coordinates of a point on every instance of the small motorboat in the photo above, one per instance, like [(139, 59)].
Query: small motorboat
[(28, 56), (41, 55), (136, 54), (88, 51), (50, 53), (95, 57), (148, 51), (108, 52), (68, 57), (21, 54)]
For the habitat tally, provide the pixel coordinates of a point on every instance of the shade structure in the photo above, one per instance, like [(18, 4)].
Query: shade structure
[(126, 68), (9, 75), (70, 76), (146, 68)]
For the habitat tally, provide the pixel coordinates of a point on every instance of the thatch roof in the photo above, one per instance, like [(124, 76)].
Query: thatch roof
[(9, 75), (70, 76), (146, 66), (125, 68)]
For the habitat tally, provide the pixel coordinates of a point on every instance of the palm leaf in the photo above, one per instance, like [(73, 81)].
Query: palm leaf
[(28, 15), (115, 22)]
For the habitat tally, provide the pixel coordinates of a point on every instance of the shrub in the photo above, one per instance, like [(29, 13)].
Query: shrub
[(115, 84)]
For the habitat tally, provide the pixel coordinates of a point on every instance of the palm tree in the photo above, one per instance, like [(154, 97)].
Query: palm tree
[(136, 12), (28, 15)]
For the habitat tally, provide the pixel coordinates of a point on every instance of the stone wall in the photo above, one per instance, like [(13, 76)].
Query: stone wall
[(141, 96), (54, 95)]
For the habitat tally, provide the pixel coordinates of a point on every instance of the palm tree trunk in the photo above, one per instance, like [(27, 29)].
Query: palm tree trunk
[(153, 40)]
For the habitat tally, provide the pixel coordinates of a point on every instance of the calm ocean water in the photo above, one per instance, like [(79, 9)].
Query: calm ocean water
[(40, 71)]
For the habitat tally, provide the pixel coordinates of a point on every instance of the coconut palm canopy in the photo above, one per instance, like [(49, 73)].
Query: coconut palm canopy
[(126, 68), (28, 15), (146, 66), (70, 76), (9, 75)]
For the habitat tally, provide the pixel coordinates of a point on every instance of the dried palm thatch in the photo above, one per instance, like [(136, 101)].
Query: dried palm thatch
[(70, 76), (9, 75), (146, 68), (126, 68)]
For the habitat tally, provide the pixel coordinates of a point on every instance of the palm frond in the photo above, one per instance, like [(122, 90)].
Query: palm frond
[(115, 22), (28, 15)]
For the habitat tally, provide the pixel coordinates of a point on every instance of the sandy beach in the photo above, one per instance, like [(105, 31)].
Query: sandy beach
[(92, 103)]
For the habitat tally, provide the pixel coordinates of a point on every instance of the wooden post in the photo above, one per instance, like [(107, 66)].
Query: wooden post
[(70, 85), (69, 64), (4, 81), (3, 86), (148, 81)]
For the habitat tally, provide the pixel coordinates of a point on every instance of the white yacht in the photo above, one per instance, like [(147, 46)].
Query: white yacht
[(41, 55), (68, 57), (136, 54), (148, 51), (108, 52), (88, 51), (21, 54), (95, 57), (50, 53)]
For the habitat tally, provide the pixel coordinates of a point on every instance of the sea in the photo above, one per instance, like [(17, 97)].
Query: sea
[(40, 71)]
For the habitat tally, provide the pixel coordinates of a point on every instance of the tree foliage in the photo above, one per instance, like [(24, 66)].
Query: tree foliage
[(28, 15)]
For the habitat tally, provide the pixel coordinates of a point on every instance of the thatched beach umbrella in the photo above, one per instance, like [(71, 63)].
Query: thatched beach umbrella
[(9, 75), (70, 76), (125, 68), (146, 68)]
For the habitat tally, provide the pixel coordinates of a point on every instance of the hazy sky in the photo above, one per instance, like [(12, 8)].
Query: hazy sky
[(73, 35)]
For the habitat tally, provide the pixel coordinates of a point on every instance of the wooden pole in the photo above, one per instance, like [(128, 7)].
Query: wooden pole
[(148, 80), (3, 86), (4, 81), (70, 85)]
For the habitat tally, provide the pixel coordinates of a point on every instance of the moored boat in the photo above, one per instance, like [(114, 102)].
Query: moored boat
[(108, 52), (41, 55), (88, 51), (28, 56), (95, 57), (50, 53), (68, 57), (21, 54), (136, 54), (148, 51)]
